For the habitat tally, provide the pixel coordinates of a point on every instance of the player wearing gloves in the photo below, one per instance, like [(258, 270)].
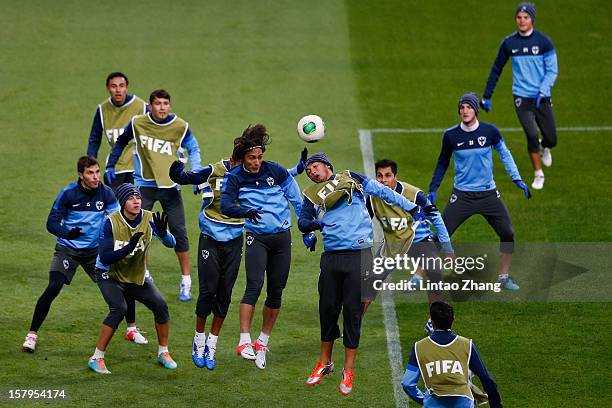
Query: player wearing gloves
[(534, 71), (125, 240), (260, 191), (474, 192), (75, 219), (335, 205), (160, 138), (444, 361)]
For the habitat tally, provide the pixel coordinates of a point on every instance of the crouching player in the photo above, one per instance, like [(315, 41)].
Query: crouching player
[(335, 205), (444, 360), (120, 273), (402, 235), (219, 256)]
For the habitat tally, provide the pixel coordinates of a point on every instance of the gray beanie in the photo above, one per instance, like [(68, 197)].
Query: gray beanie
[(320, 157), (471, 99), (125, 191)]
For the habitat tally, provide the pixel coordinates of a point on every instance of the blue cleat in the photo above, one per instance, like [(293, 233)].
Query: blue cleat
[(507, 283), (198, 355), (98, 365), (184, 293), (210, 356), (428, 327)]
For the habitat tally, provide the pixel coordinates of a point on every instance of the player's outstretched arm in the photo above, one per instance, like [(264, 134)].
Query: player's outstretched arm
[(410, 382)]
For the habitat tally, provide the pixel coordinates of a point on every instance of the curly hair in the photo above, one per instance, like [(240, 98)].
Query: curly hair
[(252, 137)]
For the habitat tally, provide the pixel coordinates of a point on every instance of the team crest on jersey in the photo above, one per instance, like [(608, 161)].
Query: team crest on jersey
[(270, 181), (453, 198), (66, 264), (482, 140), (535, 50), (104, 275), (518, 102), (205, 254), (249, 240), (99, 205)]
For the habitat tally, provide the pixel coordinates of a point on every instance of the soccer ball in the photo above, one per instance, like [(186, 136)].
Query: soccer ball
[(311, 128)]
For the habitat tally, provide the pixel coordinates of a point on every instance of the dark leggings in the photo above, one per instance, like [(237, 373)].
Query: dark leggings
[(56, 283)]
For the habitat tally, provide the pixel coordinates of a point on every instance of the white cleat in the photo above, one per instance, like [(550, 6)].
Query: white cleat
[(546, 157), (29, 344), (136, 336), (246, 351), (538, 182), (260, 355)]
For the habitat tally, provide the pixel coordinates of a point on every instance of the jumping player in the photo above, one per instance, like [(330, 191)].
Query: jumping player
[(335, 205), (260, 191)]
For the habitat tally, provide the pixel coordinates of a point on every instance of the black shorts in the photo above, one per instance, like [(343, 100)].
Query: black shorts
[(218, 265), (117, 294), (171, 202), (532, 118), (66, 260), (340, 282), (463, 204), (268, 255)]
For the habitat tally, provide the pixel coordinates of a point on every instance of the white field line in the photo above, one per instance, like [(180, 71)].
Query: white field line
[(509, 129), (394, 346)]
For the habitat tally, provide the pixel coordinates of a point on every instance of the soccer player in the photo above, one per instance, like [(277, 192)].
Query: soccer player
[(335, 205), (260, 191), (161, 137), (219, 256), (444, 360), (75, 219), (401, 234), (110, 119), (534, 70), (474, 191), (125, 240)]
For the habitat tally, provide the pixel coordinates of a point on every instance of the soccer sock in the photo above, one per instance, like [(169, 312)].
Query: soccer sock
[(98, 354), (539, 173), (162, 349), (200, 338), (211, 342), (186, 280), (503, 276), (245, 338), (263, 338), (132, 328), (415, 276)]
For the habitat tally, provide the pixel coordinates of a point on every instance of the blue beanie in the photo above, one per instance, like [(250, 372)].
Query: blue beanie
[(528, 8), (125, 191), (320, 157), (471, 99)]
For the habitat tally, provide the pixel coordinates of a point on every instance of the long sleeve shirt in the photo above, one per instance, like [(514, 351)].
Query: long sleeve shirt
[(269, 190), (476, 365), (473, 150), (534, 65)]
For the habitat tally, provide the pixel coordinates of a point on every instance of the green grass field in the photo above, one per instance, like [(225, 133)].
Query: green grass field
[(359, 65)]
